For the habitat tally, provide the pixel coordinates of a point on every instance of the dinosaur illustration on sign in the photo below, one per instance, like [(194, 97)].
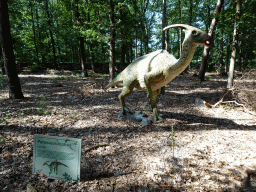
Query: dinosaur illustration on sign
[(54, 166)]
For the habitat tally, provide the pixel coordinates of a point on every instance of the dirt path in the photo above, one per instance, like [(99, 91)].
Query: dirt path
[(209, 150)]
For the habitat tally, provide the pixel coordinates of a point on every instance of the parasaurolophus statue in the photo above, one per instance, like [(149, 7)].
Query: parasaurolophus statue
[(153, 71)]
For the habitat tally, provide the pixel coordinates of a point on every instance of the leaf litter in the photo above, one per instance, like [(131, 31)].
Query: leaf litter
[(209, 149)]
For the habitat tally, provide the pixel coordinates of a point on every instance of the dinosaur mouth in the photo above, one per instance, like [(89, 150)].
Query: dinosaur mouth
[(209, 42)]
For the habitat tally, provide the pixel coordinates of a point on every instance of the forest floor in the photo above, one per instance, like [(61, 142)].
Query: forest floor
[(210, 149)]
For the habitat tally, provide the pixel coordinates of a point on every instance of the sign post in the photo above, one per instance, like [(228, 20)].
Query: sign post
[(57, 157)]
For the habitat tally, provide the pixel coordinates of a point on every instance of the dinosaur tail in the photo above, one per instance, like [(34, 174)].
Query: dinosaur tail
[(115, 81)]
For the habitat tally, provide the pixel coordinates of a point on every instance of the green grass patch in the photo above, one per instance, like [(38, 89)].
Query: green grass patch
[(99, 75), (43, 101), (66, 77), (34, 112), (70, 116), (46, 112), (226, 105), (6, 117)]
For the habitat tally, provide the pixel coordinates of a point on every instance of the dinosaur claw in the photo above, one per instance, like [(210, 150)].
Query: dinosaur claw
[(158, 118), (125, 110)]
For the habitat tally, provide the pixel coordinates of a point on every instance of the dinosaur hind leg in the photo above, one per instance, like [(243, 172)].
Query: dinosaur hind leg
[(125, 92), (153, 98)]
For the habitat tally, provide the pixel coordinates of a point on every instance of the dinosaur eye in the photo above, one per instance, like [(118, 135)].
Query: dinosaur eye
[(194, 32)]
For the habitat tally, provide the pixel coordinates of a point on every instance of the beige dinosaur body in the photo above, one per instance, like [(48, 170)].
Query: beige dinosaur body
[(153, 71)]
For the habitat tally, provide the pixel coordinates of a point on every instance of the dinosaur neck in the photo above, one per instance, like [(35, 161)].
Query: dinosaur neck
[(187, 54)]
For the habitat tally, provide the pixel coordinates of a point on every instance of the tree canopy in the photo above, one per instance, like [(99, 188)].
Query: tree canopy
[(46, 32)]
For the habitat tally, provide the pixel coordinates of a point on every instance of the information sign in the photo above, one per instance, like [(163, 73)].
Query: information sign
[(57, 157)]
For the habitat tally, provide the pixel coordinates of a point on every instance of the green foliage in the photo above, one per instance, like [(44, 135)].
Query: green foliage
[(46, 112), (67, 176), (99, 75), (3, 81), (64, 77), (226, 105), (34, 112), (43, 101), (6, 115), (71, 116), (137, 25), (42, 111)]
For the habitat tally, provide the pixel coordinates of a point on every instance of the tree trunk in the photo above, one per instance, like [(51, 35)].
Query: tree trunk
[(51, 34), (146, 39), (123, 52), (234, 46), (112, 40), (34, 34), (180, 2), (123, 37), (90, 44), (82, 52), (136, 30), (8, 55), (190, 12), (163, 24), (58, 44), (190, 20), (227, 55), (91, 57), (210, 33), (39, 37), (167, 39), (81, 44), (131, 53), (221, 70)]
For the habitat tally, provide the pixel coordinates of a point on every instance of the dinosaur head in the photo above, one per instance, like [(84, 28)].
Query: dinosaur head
[(46, 162), (194, 35)]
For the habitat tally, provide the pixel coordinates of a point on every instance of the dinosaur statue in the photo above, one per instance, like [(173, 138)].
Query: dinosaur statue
[(53, 166), (153, 71)]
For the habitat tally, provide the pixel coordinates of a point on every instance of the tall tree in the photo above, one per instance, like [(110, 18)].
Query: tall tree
[(8, 55), (227, 54), (163, 24), (112, 39), (234, 46), (39, 35), (136, 27), (34, 31), (210, 33), (90, 44), (81, 42), (180, 11), (51, 33), (124, 30)]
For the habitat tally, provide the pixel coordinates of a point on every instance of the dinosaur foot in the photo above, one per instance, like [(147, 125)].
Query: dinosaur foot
[(158, 118), (138, 116)]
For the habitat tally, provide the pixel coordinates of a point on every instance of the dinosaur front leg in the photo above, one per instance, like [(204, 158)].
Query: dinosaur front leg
[(125, 92)]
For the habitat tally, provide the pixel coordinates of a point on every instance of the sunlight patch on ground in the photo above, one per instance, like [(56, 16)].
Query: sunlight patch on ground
[(235, 114)]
